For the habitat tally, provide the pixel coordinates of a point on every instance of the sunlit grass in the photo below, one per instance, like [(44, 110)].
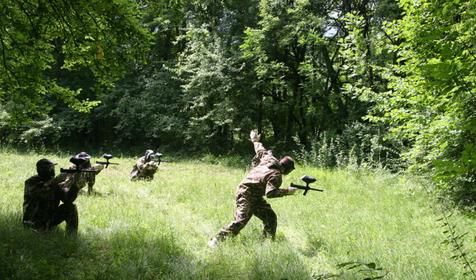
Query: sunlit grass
[(160, 229)]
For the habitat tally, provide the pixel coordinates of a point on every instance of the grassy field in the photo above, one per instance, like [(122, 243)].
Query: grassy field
[(364, 225)]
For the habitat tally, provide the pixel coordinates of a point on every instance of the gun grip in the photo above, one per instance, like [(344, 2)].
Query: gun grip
[(305, 192)]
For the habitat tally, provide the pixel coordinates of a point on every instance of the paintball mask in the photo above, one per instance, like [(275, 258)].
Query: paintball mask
[(149, 154), (83, 159), (45, 168), (287, 163)]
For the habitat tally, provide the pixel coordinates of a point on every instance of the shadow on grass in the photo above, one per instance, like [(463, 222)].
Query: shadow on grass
[(25, 254), (356, 270), (94, 193)]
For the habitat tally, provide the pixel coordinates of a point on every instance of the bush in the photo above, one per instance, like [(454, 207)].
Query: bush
[(359, 145)]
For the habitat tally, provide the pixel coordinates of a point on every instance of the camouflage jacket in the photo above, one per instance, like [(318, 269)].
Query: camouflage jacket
[(264, 178), (41, 198), (88, 178), (144, 169)]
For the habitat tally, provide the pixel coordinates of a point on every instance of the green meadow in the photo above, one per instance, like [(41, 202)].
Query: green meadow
[(365, 225)]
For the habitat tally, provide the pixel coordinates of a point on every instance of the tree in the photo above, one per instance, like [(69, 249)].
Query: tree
[(431, 101), (213, 98), (43, 43), (297, 69)]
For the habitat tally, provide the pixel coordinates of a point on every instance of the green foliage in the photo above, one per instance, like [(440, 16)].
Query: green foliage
[(459, 244), (39, 38), (211, 95), (149, 111), (357, 146), (40, 133), (37, 134), (283, 52), (189, 96), (314, 66), (431, 100)]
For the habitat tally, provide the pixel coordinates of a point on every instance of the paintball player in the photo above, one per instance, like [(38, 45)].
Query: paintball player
[(264, 179), (42, 197), (88, 178), (146, 166)]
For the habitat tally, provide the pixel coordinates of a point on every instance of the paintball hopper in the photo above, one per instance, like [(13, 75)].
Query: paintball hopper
[(308, 180), (78, 161), (107, 157)]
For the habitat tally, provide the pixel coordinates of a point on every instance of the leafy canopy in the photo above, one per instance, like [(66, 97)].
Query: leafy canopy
[(42, 41)]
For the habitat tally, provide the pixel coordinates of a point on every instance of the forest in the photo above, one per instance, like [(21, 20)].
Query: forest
[(372, 83)]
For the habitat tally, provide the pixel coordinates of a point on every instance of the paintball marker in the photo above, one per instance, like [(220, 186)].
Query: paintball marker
[(107, 157), (77, 161), (308, 180), (157, 157)]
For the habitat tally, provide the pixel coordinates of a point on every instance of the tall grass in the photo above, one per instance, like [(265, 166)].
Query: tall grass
[(358, 145), (381, 224)]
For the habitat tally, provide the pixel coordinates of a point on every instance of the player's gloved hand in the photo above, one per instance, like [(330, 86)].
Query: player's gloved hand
[(292, 190), (254, 136)]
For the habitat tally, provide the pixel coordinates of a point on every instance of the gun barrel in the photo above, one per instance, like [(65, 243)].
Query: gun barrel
[(62, 170), (104, 162), (298, 186), (305, 188)]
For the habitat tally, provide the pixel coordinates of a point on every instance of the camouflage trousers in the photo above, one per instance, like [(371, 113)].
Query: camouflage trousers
[(245, 209), (147, 175), (64, 213)]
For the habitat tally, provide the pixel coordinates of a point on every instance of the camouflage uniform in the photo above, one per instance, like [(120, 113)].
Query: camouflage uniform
[(41, 206), (87, 178), (144, 170), (264, 179)]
